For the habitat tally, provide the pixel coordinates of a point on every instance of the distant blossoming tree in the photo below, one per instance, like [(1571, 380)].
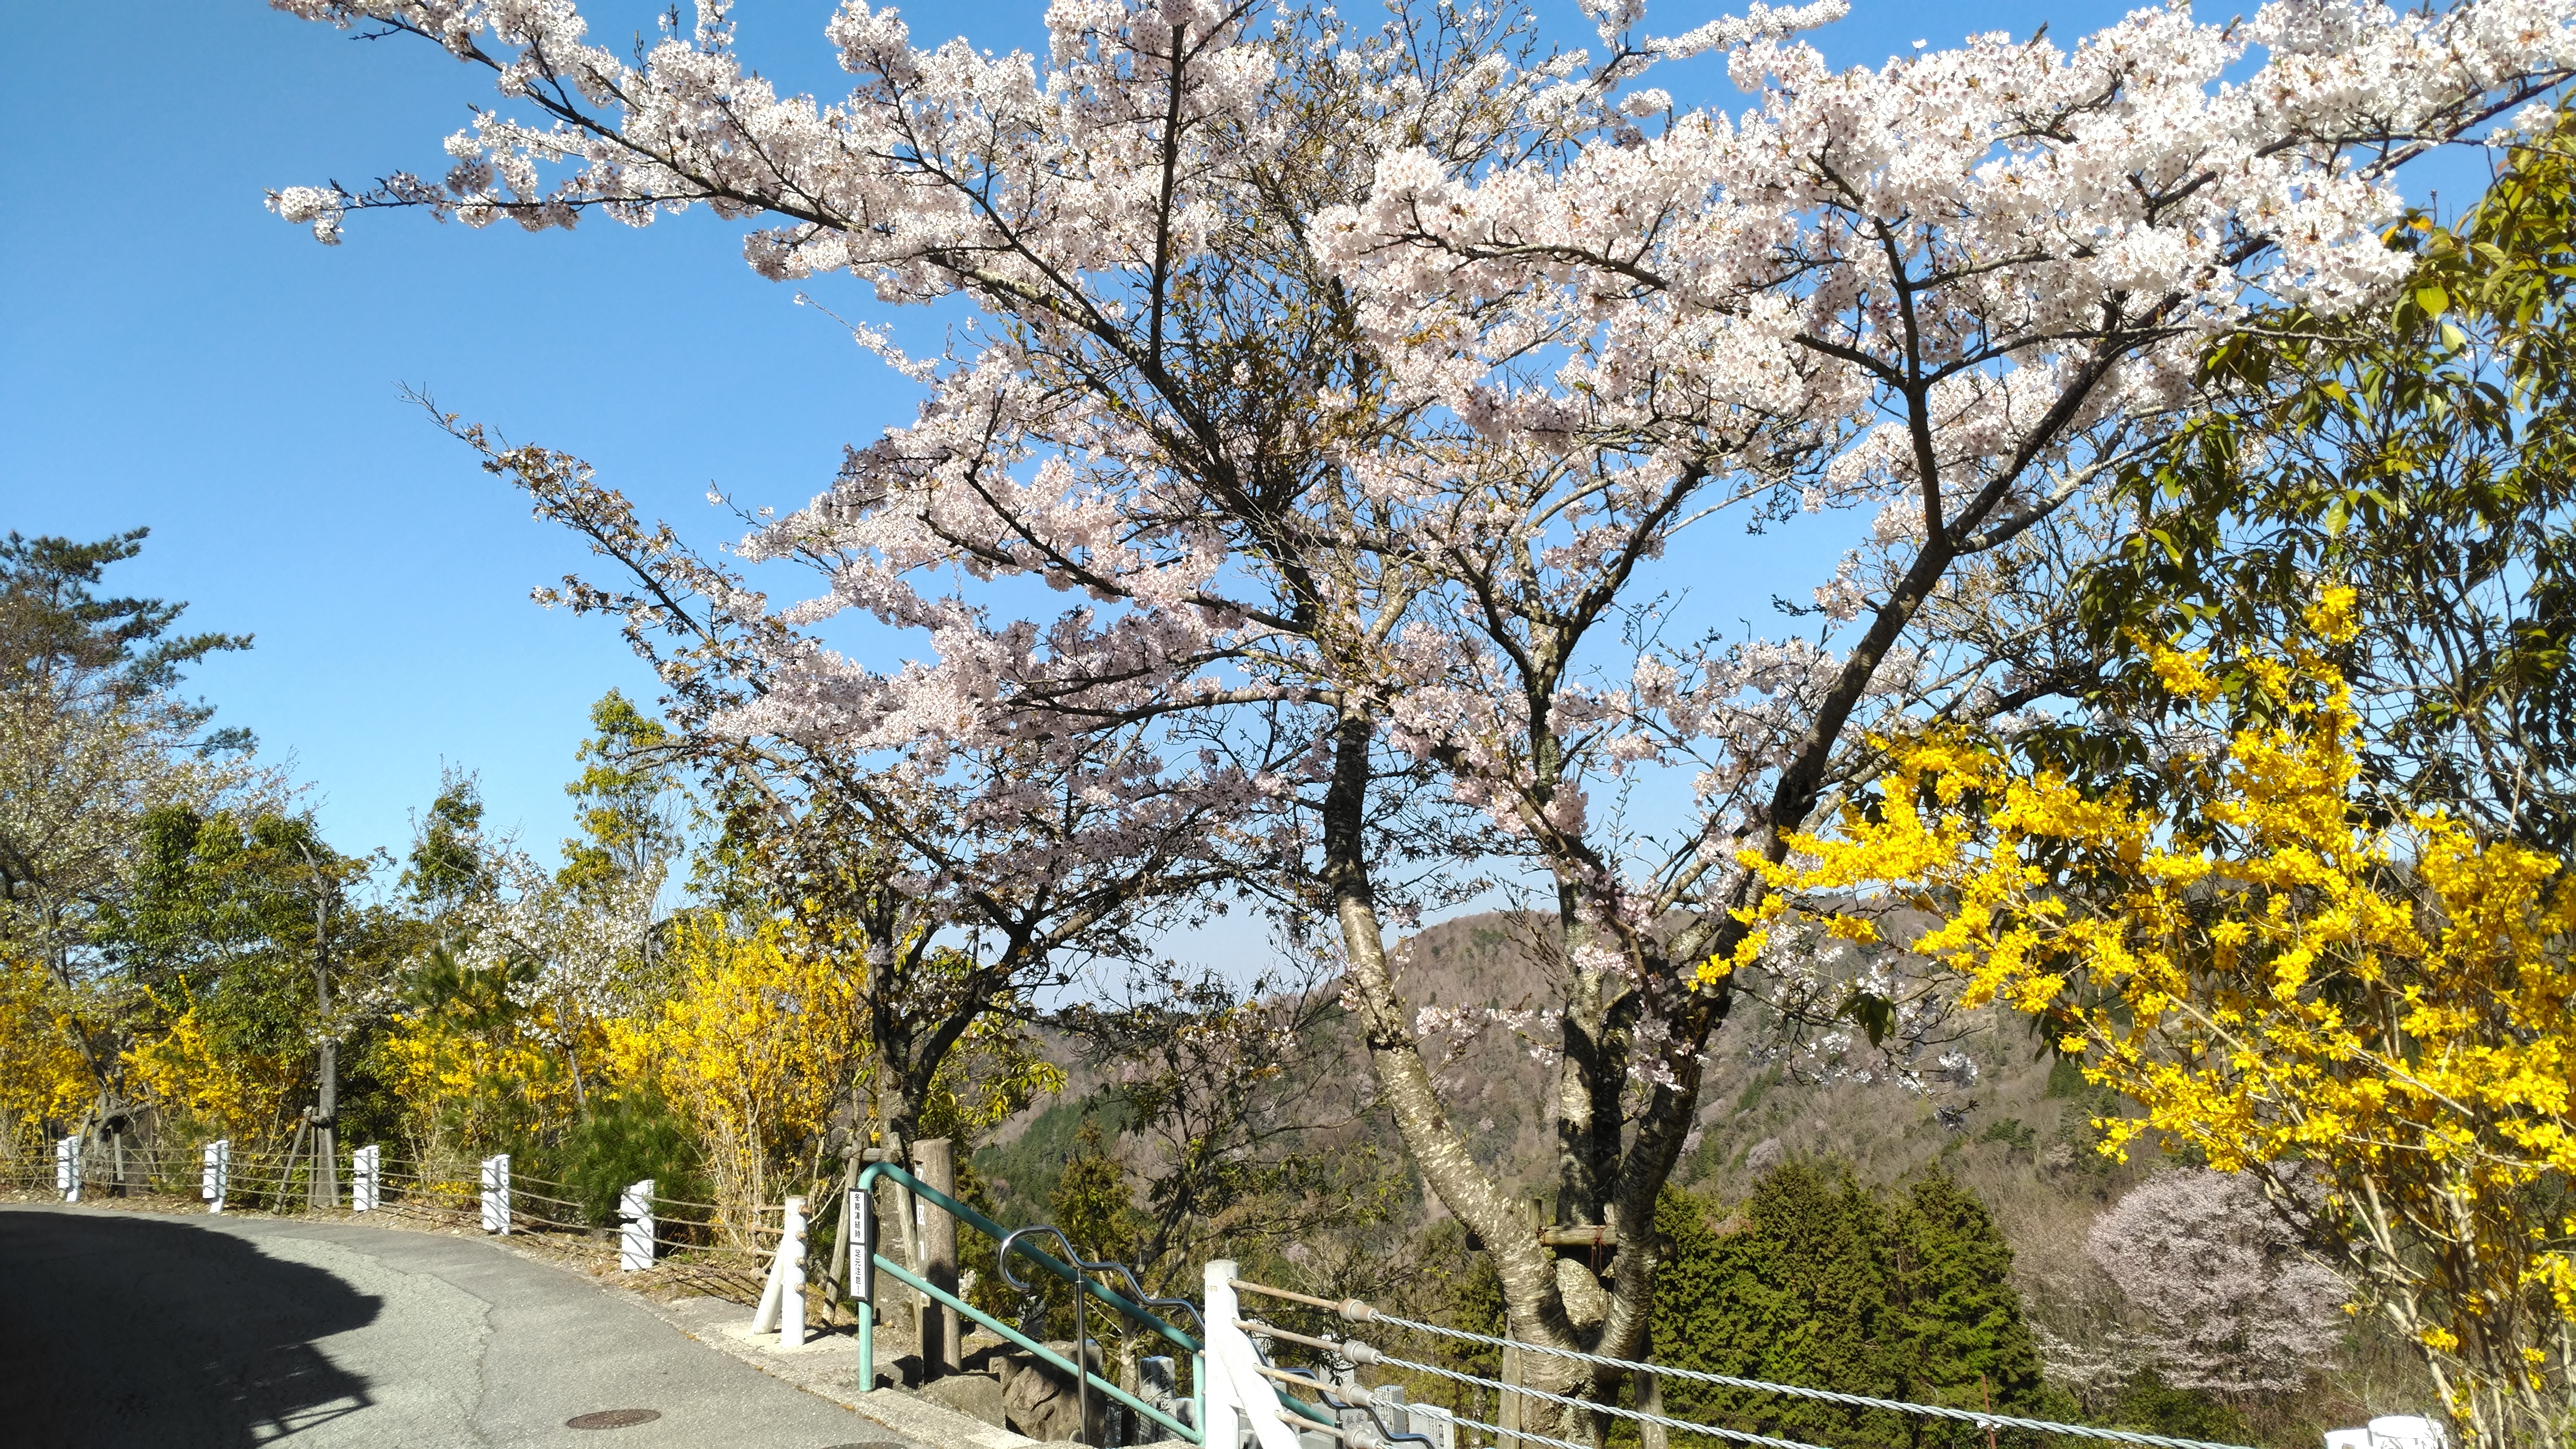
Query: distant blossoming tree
[(1361, 381), (2227, 1300)]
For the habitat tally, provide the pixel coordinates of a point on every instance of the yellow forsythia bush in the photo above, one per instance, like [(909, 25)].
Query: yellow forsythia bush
[(2274, 979), (231, 1094), (755, 1042), (465, 1092), (43, 1078)]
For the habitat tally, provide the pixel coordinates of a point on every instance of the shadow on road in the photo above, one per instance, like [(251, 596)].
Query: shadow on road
[(118, 1331)]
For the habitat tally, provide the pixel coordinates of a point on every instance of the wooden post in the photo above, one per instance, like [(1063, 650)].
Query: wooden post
[(935, 1161), (286, 1174), (1650, 1399)]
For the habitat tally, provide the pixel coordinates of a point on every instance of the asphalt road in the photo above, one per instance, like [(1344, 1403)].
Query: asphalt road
[(130, 1329)]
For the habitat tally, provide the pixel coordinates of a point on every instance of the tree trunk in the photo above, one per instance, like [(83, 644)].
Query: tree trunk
[(1527, 1271)]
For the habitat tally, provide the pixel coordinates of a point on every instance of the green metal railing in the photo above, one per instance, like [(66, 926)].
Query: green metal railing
[(1077, 1273)]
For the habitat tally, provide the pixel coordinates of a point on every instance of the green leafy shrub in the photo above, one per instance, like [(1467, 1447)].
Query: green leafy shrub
[(2149, 1405)]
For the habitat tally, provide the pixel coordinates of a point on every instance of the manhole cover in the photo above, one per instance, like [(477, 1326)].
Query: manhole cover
[(613, 1419)]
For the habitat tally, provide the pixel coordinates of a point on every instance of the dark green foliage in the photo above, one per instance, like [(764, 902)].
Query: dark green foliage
[(1956, 1318), (2066, 1078), (976, 1252), (2149, 1405), (447, 865), (368, 1109), (225, 911), (1824, 1283), (622, 1140), (1477, 1306), (1754, 1091), (625, 829), (2015, 1134), (1024, 1171), (1094, 1202)]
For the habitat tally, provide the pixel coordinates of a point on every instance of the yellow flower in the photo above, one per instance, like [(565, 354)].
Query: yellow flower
[(2268, 979)]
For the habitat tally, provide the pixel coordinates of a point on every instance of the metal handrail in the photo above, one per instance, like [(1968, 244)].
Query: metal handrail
[(1076, 1273), (1002, 1258), (1082, 1375), (997, 1232), (1081, 1331)]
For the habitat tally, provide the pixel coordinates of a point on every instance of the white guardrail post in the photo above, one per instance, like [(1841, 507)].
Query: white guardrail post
[(218, 1178), (67, 1168), (366, 1179), (635, 1238), (1237, 1394), (782, 1300), (496, 1193)]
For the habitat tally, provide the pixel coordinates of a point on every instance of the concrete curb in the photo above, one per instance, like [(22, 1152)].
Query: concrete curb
[(826, 1367)]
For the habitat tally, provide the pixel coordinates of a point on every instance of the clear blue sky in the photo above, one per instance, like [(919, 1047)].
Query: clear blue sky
[(173, 356)]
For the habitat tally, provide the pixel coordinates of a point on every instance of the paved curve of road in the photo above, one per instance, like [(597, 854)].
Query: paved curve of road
[(132, 1329)]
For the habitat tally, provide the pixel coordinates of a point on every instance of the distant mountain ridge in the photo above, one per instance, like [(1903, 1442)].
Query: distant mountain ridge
[(2019, 1107)]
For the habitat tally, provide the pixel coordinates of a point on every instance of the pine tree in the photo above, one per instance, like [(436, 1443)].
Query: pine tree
[(1796, 1294)]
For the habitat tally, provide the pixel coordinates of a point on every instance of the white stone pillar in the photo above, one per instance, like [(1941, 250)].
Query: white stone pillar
[(635, 1237), (67, 1168), (218, 1178), (782, 1299), (496, 1193), (366, 1179)]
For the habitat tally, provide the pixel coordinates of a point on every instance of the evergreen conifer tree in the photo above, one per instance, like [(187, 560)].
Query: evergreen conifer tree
[(1819, 1282), (1954, 1329)]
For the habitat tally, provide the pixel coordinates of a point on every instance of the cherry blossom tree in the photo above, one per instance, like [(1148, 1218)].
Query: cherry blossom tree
[(958, 871), (2226, 1300), (1365, 382), (583, 950)]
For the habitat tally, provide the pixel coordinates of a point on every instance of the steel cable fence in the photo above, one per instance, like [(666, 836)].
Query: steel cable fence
[(1358, 1353)]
